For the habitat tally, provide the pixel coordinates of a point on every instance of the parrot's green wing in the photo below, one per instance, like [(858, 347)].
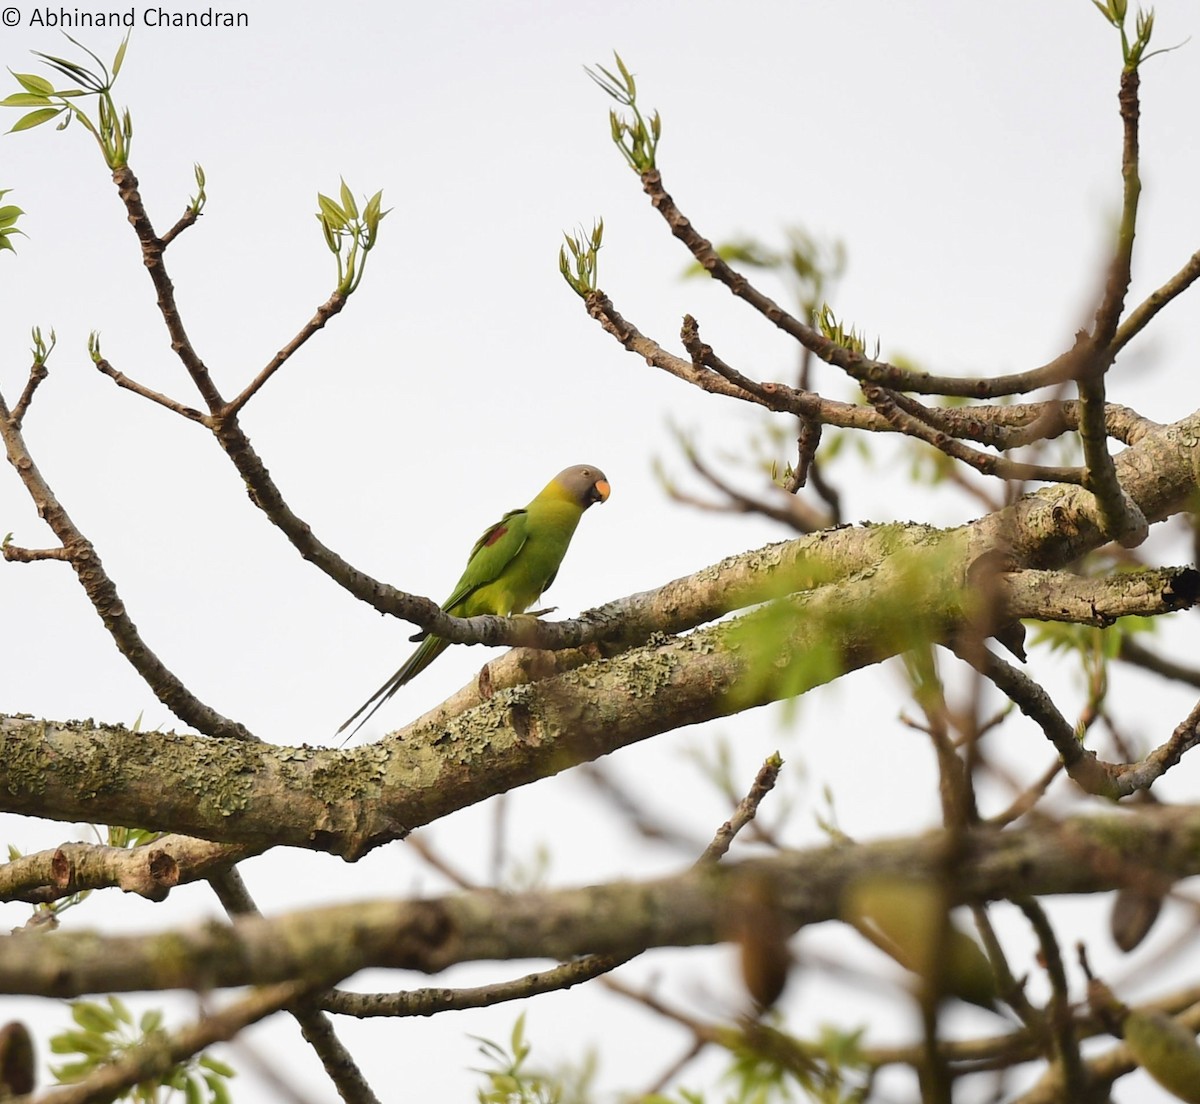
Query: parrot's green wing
[(492, 553)]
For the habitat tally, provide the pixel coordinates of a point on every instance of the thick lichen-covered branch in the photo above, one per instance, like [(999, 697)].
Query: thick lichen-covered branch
[(321, 945), (348, 802)]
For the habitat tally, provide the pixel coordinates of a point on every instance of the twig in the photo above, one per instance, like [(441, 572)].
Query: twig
[(1000, 427), (428, 1002), (808, 440), (1089, 772), (1132, 652), (1141, 775), (188, 218), (151, 1061), (151, 870), (102, 592), (447, 869), (1066, 1042), (122, 380), (152, 259), (1028, 797), (1122, 518), (314, 1024), (37, 372), (1140, 316), (857, 365), (910, 418), (792, 511), (648, 825), (747, 809), (325, 312), (14, 553)]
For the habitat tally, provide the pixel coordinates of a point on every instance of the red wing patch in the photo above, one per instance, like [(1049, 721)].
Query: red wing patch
[(494, 536)]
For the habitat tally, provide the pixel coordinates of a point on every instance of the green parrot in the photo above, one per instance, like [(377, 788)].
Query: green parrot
[(509, 567)]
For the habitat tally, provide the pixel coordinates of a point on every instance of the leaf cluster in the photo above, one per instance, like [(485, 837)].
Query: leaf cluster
[(8, 222), (636, 138), (511, 1081), (580, 270), (112, 129), (104, 1032), (349, 233)]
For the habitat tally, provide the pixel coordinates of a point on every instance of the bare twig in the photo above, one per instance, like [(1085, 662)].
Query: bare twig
[(428, 1002), (648, 824), (37, 372), (324, 313), (1141, 775), (910, 418), (442, 865), (1080, 763), (314, 1024), (855, 364), (188, 218), (1062, 1027), (122, 380), (102, 592), (151, 870), (14, 553), (1132, 652), (747, 809), (1140, 316), (1122, 518), (791, 510)]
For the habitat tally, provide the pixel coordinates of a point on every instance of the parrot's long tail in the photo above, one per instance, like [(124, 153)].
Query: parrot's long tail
[(431, 647)]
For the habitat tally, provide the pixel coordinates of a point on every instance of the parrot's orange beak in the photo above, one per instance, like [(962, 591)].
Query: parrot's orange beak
[(600, 490)]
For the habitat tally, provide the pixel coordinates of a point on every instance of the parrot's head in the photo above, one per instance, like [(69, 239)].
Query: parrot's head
[(584, 483)]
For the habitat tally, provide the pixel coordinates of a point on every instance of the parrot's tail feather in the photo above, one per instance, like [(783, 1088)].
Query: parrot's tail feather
[(431, 647)]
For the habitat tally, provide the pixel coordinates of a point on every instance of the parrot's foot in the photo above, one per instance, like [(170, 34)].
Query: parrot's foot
[(537, 613), (528, 621)]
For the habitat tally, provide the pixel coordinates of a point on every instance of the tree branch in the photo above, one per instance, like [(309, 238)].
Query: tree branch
[(1078, 855), (151, 870), (1122, 518), (102, 592), (857, 365)]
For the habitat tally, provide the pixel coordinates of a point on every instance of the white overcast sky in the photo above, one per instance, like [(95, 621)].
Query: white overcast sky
[(966, 154)]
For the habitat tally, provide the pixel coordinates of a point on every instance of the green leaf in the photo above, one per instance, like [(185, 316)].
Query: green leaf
[(193, 1091), (31, 82), (331, 213), (629, 83), (81, 1042), (151, 1021), (119, 59), (120, 1010), (348, 204), (72, 1071), (25, 99), (220, 1092), (216, 1065), (93, 1017), (35, 118)]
